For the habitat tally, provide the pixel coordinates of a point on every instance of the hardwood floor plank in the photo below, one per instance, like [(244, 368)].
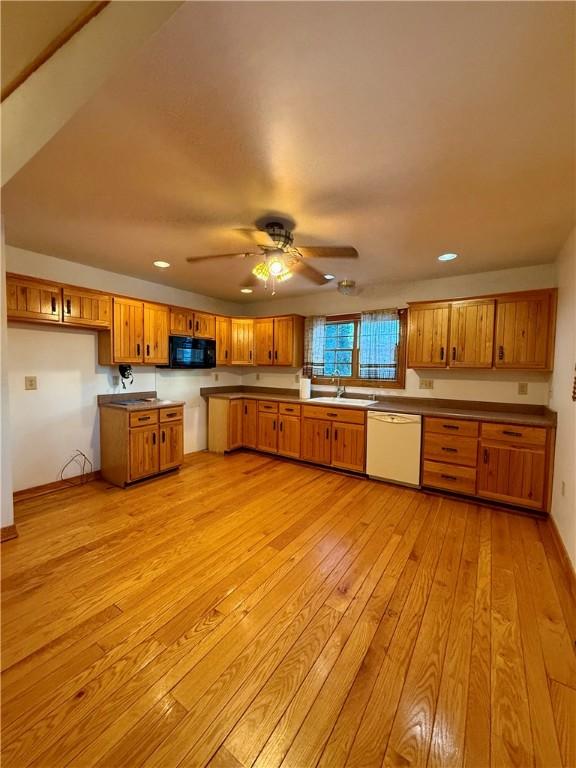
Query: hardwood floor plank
[(564, 707)]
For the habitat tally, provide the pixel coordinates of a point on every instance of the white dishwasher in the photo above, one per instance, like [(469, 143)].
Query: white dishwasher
[(393, 447)]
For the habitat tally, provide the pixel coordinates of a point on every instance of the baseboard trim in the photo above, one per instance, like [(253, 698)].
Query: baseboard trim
[(59, 485), (8, 532), (563, 554)]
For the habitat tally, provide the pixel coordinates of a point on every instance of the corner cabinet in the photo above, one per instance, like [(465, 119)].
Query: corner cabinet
[(223, 340), (242, 341), (139, 444), (509, 331)]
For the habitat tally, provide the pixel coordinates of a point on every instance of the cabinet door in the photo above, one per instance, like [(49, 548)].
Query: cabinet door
[(171, 444), (268, 432), (316, 441), (156, 319), (284, 341), (27, 300), (348, 441), (471, 334), (512, 474), (428, 335), (223, 340), (204, 326), (235, 419), (250, 423), (85, 308), (264, 341), (242, 341), (144, 452), (128, 324), (181, 322), (523, 332), (289, 436)]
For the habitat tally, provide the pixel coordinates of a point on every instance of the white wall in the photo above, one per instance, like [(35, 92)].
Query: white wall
[(491, 386), (564, 492)]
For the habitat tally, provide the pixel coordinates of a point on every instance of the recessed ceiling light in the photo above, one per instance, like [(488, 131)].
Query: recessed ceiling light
[(448, 257), (162, 264), (329, 277), (245, 290)]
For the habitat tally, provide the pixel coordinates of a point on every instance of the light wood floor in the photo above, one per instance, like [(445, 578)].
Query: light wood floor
[(249, 611)]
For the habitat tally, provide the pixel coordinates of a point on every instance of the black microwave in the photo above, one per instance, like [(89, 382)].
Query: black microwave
[(186, 352)]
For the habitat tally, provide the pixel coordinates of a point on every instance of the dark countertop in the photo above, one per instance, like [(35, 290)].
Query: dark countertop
[(508, 413), (146, 401)]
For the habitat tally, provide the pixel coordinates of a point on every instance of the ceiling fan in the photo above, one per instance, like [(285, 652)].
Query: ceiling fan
[(281, 259)]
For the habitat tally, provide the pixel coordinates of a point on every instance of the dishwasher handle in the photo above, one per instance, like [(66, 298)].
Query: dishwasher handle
[(394, 418)]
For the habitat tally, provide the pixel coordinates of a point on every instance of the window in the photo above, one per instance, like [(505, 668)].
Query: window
[(366, 349)]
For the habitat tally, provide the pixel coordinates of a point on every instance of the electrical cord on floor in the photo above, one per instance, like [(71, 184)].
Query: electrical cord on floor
[(83, 462)]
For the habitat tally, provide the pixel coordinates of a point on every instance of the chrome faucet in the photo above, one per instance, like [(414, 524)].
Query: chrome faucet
[(340, 388)]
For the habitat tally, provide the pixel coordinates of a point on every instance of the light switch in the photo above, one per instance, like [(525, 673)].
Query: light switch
[(30, 382)]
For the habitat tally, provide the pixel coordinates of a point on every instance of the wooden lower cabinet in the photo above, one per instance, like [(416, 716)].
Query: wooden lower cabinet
[(235, 424), (316, 441), (289, 436), (144, 452), (512, 474), (267, 432), (139, 444), (250, 423), (348, 446)]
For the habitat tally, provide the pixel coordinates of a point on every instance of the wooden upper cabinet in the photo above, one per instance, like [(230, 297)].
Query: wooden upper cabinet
[(471, 334), (264, 341), (87, 308), (223, 341), (204, 325), (242, 341), (288, 341), (428, 335), (33, 300), (525, 331), (181, 322), (127, 331), (156, 319)]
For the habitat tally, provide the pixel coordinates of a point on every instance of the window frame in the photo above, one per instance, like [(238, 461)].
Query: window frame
[(355, 381)]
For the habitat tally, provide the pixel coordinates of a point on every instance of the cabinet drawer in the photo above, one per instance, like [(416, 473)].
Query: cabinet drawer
[(451, 426), (451, 449), (268, 405), (289, 410), (346, 415), (143, 418), (171, 414), (450, 477), (513, 433)]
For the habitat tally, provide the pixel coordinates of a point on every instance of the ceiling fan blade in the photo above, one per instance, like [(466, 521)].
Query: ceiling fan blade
[(192, 259), (308, 271), (256, 236), (328, 252)]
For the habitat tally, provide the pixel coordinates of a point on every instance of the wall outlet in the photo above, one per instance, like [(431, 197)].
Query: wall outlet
[(522, 388), (257, 377), (30, 382), (426, 383), (115, 380), (297, 378), (563, 488), (216, 376)]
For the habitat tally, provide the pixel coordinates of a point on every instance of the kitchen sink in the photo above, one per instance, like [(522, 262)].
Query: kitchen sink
[(342, 401), (133, 402)]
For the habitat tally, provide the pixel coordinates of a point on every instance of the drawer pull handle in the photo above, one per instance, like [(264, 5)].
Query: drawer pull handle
[(449, 477), (486, 456), (171, 415), (450, 450), (144, 418), (511, 433), (289, 410), (450, 426), (331, 414)]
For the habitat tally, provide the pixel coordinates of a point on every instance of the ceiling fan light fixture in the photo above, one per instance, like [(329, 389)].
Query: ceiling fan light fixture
[(276, 267), (347, 287), (329, 277)]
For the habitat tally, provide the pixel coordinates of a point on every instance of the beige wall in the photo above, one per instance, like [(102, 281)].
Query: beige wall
[(564, 492), (6, 506)]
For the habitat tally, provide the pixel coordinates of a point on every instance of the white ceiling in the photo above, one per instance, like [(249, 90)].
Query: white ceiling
[(403, 129)]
